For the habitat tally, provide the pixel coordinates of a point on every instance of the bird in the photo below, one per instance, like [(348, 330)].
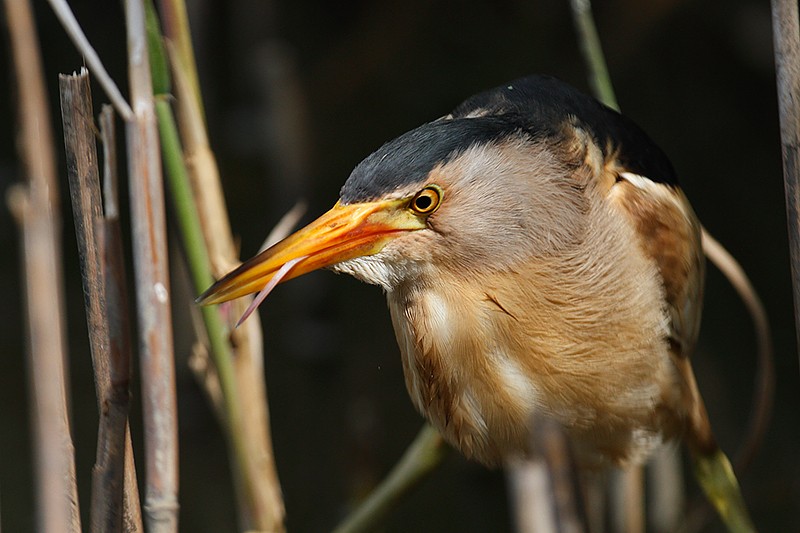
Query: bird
[(539, 258)]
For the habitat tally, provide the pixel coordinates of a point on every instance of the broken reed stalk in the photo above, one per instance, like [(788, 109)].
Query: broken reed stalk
[(159, 404), (84, 186), (70, 24), (786, 40), (100, 253), (259, 495), (35, 205)]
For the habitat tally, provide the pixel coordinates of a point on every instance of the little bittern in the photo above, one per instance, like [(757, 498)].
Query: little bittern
[(538, 256)]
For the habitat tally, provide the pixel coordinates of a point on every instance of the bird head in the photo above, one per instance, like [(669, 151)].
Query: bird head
[(457, 194), (483, 188)]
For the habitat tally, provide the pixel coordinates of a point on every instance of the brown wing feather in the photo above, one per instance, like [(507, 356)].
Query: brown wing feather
[(670, 234)]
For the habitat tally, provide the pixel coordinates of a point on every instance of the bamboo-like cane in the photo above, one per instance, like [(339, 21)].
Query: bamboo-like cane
[(159, 405), (35, 205)]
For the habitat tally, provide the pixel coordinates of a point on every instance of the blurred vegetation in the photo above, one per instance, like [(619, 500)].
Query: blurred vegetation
[(296, 94)]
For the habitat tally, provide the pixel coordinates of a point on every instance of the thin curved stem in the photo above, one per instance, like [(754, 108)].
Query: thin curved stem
[(421, 458)]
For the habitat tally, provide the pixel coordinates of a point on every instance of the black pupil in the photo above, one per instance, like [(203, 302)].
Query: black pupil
[(423, 202)]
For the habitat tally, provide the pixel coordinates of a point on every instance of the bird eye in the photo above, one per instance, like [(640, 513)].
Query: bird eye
[(427, 200)]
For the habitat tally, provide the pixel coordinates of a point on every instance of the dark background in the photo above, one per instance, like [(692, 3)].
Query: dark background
[(298, 92)]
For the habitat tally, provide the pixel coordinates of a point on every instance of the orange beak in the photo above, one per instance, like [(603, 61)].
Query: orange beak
[(345, 232)]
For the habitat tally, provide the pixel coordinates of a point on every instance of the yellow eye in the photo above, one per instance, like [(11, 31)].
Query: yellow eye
[(427, 200)]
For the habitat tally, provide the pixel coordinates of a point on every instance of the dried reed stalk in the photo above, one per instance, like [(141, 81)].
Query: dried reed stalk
[(786, 38), (260, 499), (117, 313), (626, 497), (546, 495), (148, 223), (258, 489), (35, 206), (99, 248)]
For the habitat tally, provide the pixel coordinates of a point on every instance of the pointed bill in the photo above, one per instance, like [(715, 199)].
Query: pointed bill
[(345, 232)]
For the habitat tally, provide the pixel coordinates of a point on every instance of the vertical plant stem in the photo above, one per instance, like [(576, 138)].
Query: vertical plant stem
[(152, 283), (627, 500), (665, 507), (197, 258), (109, 505), (258, 489), (98, 248), (67, 18), (546, 493), (785, 29), (176, 25), (204, 173), (113, 472), (592, 52), (84, 186), (36, 208), (117, 315)]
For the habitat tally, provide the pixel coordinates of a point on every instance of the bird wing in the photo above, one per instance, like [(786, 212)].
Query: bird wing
[(669, 234)]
